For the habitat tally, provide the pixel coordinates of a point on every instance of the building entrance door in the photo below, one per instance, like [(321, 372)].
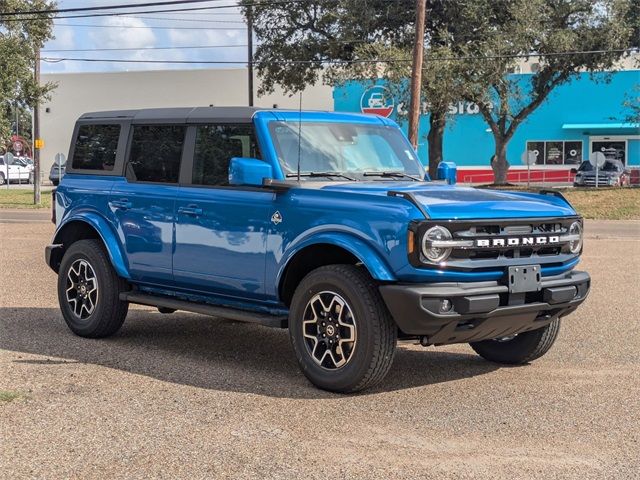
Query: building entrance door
[(614, 147)]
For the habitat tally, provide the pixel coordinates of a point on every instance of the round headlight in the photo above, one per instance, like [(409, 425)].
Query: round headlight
[(434, 253), (575, 245)]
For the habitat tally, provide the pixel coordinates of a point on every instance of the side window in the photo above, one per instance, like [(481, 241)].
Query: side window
[(216, 145), (155, 154), (96, 147)]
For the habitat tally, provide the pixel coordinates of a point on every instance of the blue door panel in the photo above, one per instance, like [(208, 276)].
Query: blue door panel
[(221, 240), (143, 215)]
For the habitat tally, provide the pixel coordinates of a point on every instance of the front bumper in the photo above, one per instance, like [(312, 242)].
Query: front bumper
[(481, 310)]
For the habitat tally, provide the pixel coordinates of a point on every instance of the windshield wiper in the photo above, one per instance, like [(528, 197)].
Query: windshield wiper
[(321, 174), (390, 175)]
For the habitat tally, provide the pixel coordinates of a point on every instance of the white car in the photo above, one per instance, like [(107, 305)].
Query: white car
[(14, 172)]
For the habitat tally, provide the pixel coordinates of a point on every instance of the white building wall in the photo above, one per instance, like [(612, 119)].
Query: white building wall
[(78, 93)]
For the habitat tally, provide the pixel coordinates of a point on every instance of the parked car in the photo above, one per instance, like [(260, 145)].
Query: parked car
[(612, 174), (319, 222), (57, 172), (16, 172)]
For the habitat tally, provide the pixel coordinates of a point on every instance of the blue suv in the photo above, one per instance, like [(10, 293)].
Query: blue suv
[(322, 223)]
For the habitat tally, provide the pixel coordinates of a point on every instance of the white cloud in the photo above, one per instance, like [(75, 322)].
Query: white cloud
[(65, 39), (119, 36)]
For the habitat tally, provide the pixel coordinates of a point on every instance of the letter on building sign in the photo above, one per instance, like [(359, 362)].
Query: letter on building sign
[(472, 108)]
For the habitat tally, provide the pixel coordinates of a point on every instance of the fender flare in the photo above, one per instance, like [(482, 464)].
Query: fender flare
[(106, 234), (372, 260)]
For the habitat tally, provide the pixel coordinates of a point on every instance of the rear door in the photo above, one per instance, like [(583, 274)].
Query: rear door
[(143, 202), (221, 229)]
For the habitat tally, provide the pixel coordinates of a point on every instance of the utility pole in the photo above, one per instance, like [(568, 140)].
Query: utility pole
[(250, 53), (36, 135), (416, 74)]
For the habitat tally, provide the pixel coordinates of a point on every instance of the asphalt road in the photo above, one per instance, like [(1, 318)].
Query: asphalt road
[(186, 396)]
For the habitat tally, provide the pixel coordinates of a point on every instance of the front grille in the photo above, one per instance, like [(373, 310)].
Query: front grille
[(506, 230), (481, 247)]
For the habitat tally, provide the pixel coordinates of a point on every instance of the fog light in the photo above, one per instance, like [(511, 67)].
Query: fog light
[(445, 305)]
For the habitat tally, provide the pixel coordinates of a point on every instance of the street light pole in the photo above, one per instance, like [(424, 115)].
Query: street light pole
[(416, 74), (36, 135)]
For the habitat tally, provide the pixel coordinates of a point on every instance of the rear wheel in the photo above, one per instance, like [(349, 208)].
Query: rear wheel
[(522, 348), (343, 335), (89, 291), (2, 180)]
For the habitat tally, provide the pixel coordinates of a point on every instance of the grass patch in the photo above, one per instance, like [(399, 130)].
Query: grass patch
[(23, 198), (607, 203), (9, 396)]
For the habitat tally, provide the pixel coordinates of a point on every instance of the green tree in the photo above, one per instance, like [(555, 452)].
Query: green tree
[(472, 46), (553, 29), (20, 39)]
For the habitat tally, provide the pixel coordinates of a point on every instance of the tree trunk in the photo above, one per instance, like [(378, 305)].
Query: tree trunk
[(437, 122), (499, 162)]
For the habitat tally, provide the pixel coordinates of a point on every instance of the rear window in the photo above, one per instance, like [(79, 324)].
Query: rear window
[(96, 147), (155, 155)]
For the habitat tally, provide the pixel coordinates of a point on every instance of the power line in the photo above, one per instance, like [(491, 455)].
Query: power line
[(56, 11), (114, 14), (170, 19), (137, 49), (336, 62), (155, 27)]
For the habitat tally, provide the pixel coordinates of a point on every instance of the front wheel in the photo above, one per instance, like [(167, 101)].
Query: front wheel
[(342, 333), (522, 348), (89, 291)]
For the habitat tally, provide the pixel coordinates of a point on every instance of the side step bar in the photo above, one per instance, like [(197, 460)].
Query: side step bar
[(205, 309)]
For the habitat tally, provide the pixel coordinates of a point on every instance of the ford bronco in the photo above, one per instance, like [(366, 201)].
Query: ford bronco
[(325, 223)]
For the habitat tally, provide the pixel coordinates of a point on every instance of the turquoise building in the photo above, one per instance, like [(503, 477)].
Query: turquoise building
[(591, 113)]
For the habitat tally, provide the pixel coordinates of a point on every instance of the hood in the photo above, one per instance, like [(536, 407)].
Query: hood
[(601, 173), (462, 203)]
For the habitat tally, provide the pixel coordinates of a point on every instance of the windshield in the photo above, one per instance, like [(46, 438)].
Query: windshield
[(611, 167), (351, 151)]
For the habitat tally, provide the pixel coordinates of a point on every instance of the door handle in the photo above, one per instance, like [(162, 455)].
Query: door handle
[(122, 204), (193, 210)]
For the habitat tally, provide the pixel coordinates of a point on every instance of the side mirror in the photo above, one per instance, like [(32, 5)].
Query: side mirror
[(248, 171), (448, 171), (574, 170)]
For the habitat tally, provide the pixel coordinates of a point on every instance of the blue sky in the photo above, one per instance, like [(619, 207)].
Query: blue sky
[(199, 28)]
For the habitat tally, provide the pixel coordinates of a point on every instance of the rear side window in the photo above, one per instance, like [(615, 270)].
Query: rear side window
[(156, 151), (96, 147), (216, 145)]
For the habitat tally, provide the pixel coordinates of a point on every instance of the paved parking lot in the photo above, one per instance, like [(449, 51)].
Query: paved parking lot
[(185, 396)]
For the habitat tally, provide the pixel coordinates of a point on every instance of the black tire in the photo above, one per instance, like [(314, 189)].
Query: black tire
[(55, 183), (370, 355), (1, 178), (523, 348), (108, 312)]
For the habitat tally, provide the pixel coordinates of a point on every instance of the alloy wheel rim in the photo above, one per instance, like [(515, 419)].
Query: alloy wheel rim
[(329, 330), (82, 289)]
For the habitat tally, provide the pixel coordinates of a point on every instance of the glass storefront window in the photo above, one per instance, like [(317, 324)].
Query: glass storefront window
[(572, 153), (553, 153), (556, 152), (538, 149)]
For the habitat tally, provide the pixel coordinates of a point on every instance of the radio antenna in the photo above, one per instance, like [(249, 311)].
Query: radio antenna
[(299, 133)]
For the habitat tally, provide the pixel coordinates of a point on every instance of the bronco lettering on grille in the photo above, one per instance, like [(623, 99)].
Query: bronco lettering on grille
[(517, 241)]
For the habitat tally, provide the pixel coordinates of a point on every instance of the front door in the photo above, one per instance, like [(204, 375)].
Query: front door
[(613, 148), (143, 204), (221, 230)]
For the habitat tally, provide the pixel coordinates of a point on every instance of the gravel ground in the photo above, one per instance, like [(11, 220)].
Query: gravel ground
[(184, 396)]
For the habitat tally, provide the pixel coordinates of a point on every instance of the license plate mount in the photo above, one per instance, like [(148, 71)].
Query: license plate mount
[(524, 278)]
